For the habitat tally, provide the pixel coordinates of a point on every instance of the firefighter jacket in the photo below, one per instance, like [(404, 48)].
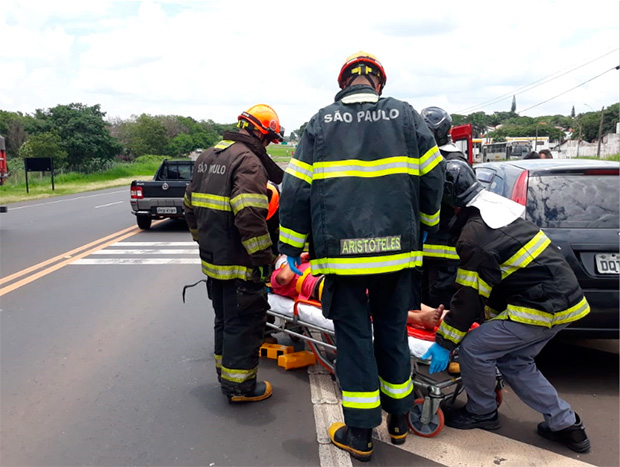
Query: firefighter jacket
[(226, 206), (365, 177), (440, 245), (514, 273)]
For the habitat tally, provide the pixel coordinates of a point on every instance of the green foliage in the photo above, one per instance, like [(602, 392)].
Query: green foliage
[(83, 131), (587, 125), (147, 135), (46, 144)]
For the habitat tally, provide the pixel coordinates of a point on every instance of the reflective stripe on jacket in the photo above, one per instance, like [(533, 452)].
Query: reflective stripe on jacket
[(514, 273), (364, 177), (226, 206)]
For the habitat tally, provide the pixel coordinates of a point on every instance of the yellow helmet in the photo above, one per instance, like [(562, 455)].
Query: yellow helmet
[(264, 119), (361, 63)]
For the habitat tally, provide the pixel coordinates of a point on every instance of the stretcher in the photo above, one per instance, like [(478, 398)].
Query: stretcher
[(303, 320)]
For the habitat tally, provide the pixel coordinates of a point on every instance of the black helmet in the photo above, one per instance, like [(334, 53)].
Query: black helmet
[(461, 185), (439, 122)]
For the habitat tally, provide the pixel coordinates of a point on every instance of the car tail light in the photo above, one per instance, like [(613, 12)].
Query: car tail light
[(519, 192), (136, 192), (602, 172)]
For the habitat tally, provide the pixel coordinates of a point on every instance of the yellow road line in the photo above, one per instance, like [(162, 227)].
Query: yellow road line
[(59, 257), (113, 238)]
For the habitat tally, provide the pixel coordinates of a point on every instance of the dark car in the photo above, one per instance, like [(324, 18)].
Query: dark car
[(576, 203)]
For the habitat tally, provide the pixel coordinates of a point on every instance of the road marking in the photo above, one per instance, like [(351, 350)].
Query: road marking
[(113, 238), (450, 447), (133, 261), (65, 200), (131, 244), (62, 256), (109, 204), (124, 249), (147, 252)]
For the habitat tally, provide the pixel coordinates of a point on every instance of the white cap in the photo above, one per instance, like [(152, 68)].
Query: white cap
[(495, 210)]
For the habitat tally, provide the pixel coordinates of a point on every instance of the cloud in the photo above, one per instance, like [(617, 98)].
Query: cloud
[(210, 60)]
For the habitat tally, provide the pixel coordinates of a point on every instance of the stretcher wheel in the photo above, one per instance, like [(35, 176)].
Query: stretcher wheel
[(425, 430)]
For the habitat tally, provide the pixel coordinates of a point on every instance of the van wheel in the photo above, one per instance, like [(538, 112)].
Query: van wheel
[(144, 222)]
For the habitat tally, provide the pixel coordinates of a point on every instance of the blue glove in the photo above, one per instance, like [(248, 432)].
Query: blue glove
[(424, 235), (293, 262), (440, 358)]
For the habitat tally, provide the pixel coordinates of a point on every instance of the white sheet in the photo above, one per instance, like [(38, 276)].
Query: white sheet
[(313, 315)]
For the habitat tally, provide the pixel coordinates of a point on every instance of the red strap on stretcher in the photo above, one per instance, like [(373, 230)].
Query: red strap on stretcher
[(426, 335)]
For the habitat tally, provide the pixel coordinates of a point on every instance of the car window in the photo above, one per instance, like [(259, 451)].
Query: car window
[(574, 201)]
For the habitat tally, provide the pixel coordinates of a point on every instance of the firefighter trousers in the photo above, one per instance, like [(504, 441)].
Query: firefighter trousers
[(240, 316), (373, 373), (511, 346)]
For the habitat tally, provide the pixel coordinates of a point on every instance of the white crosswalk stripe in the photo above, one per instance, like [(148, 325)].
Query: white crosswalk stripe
[(142, 253)]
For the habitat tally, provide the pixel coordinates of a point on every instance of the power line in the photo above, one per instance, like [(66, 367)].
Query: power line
[(531, 85), (585, 82)]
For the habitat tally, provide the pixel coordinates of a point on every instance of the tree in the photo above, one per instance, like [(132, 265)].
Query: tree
[(180, 145), (513, 106), (147, 135), (47, 144), (572, 112), (82, 130)]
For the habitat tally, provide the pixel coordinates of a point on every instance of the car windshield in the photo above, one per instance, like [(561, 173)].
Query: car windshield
[(574, 201)]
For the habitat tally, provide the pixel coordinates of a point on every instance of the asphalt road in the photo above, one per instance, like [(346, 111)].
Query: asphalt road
[(101, 363)]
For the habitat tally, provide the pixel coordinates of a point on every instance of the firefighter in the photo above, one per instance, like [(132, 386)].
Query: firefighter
[(226, 205), (366, 178), (510, 270), (440, 258)]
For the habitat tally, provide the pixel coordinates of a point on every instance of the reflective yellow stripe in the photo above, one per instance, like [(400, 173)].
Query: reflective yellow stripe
[(249, 200), (396, 391), (290, 237), (301, 170), (473, 280), (525, 255), (366, 169), (238, 376), (440, 251), (187, 201), (204, 200), (255, 244), (218, 360), (361, 400), (225, 143), (490, 313), (367, 264), (429, 219), (429, 160), (226, 272), (526, 315), (450, 333)]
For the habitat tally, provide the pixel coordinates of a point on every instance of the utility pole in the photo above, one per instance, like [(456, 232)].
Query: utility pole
[(600, 134)]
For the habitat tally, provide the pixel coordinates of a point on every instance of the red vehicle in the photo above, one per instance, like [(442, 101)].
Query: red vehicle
[(462, 138), (4, 171)]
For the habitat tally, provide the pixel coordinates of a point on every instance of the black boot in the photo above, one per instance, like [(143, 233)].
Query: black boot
[(574, 436), (397, 427), (464, 420), (356, 441), (261, 392)]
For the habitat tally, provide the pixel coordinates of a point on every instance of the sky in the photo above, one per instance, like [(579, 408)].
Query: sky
[(210, 60)]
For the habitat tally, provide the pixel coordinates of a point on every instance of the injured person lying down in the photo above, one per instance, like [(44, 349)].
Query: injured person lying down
[(287, 283)]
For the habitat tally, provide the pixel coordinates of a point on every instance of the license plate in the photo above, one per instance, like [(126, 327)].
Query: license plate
[(166, 210), (607, 263)]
